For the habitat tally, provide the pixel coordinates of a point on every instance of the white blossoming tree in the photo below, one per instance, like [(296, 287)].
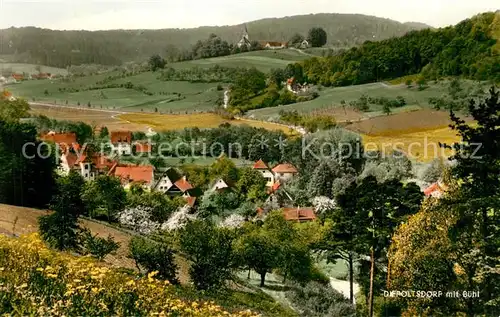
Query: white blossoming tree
[(178, 219), (138, 219), (233, 221), (323, 204)]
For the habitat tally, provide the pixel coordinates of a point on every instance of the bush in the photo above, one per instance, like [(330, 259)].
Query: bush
[(154, 257), (319, 300), (96, 246)]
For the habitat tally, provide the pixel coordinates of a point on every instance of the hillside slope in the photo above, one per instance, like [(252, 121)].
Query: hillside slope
[(62, 48)]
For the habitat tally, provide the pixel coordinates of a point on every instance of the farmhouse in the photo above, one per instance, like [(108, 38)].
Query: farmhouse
[(436, 190), (122, 142), (294, 214), (17, 77), (134, 174), (142, 147), (273, 45), (89, 167), (220, 185), (171, 183), (304, 44), (64, 140), (280, 173), (284, 172), (266, 172)]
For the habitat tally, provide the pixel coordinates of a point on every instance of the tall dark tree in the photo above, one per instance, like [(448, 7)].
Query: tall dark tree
[(60, 229), (317, 37), (26, 177), (156, 62), (476, 200)]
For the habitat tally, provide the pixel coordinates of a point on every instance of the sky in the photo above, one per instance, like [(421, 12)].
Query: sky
[(159, 14)]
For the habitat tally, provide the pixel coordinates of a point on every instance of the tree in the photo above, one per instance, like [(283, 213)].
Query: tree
[(156, 62), (223, 168), (381, 208), (96, 246), (13, 110), (210, 251), (317, 37), (296, 39), (252, 184), (26, 166), (104, 195), (409, 83), (475, 200), (258, 251), (60, 229), (154, 257), (386, 109), (104, 132)]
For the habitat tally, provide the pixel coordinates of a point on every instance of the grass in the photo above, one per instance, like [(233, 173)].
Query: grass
[(264, 60), (30, 69)]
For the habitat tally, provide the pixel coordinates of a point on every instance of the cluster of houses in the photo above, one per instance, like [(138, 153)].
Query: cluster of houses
[(295, 87), (166, 180), (15, 77), (272, 45)]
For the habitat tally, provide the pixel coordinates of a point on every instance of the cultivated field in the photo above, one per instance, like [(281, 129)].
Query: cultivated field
[(332, 97), (30, 69), (422, 146)]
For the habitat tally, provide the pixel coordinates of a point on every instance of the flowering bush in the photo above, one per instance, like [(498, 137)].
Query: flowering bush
[(178, 219), (323, 204), (37, 281), (233, 221), (138, 219)]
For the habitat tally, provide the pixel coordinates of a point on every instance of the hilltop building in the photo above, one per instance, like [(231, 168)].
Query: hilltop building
[(245, 39)]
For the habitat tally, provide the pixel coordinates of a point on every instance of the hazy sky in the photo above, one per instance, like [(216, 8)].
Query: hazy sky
[(154, 14)]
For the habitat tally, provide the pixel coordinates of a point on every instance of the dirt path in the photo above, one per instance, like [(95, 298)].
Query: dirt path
[(343, 287)]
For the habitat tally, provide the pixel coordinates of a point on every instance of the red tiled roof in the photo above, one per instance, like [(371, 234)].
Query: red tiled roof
[(274, 188), (135, 173), (191, 201), (183, 184), (18, 76), (285, 168), (67, 138), (121, 136), (260, 165), (435, 189), (299, 214), (290, 80), (143, 147)]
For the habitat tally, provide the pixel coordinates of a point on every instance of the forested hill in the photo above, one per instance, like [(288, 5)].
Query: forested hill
[(470, 49), (60, 48)]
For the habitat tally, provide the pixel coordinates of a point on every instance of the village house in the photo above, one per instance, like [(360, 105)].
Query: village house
[(88, 166), (295, 87), (436, 190), (280, 173), (142, 175), (17, 77), (284, 172), (273, 45), (293, 214), (268, 174), (220, 186), (304, 44), (171, 183), (142, 147), (122, 142)]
